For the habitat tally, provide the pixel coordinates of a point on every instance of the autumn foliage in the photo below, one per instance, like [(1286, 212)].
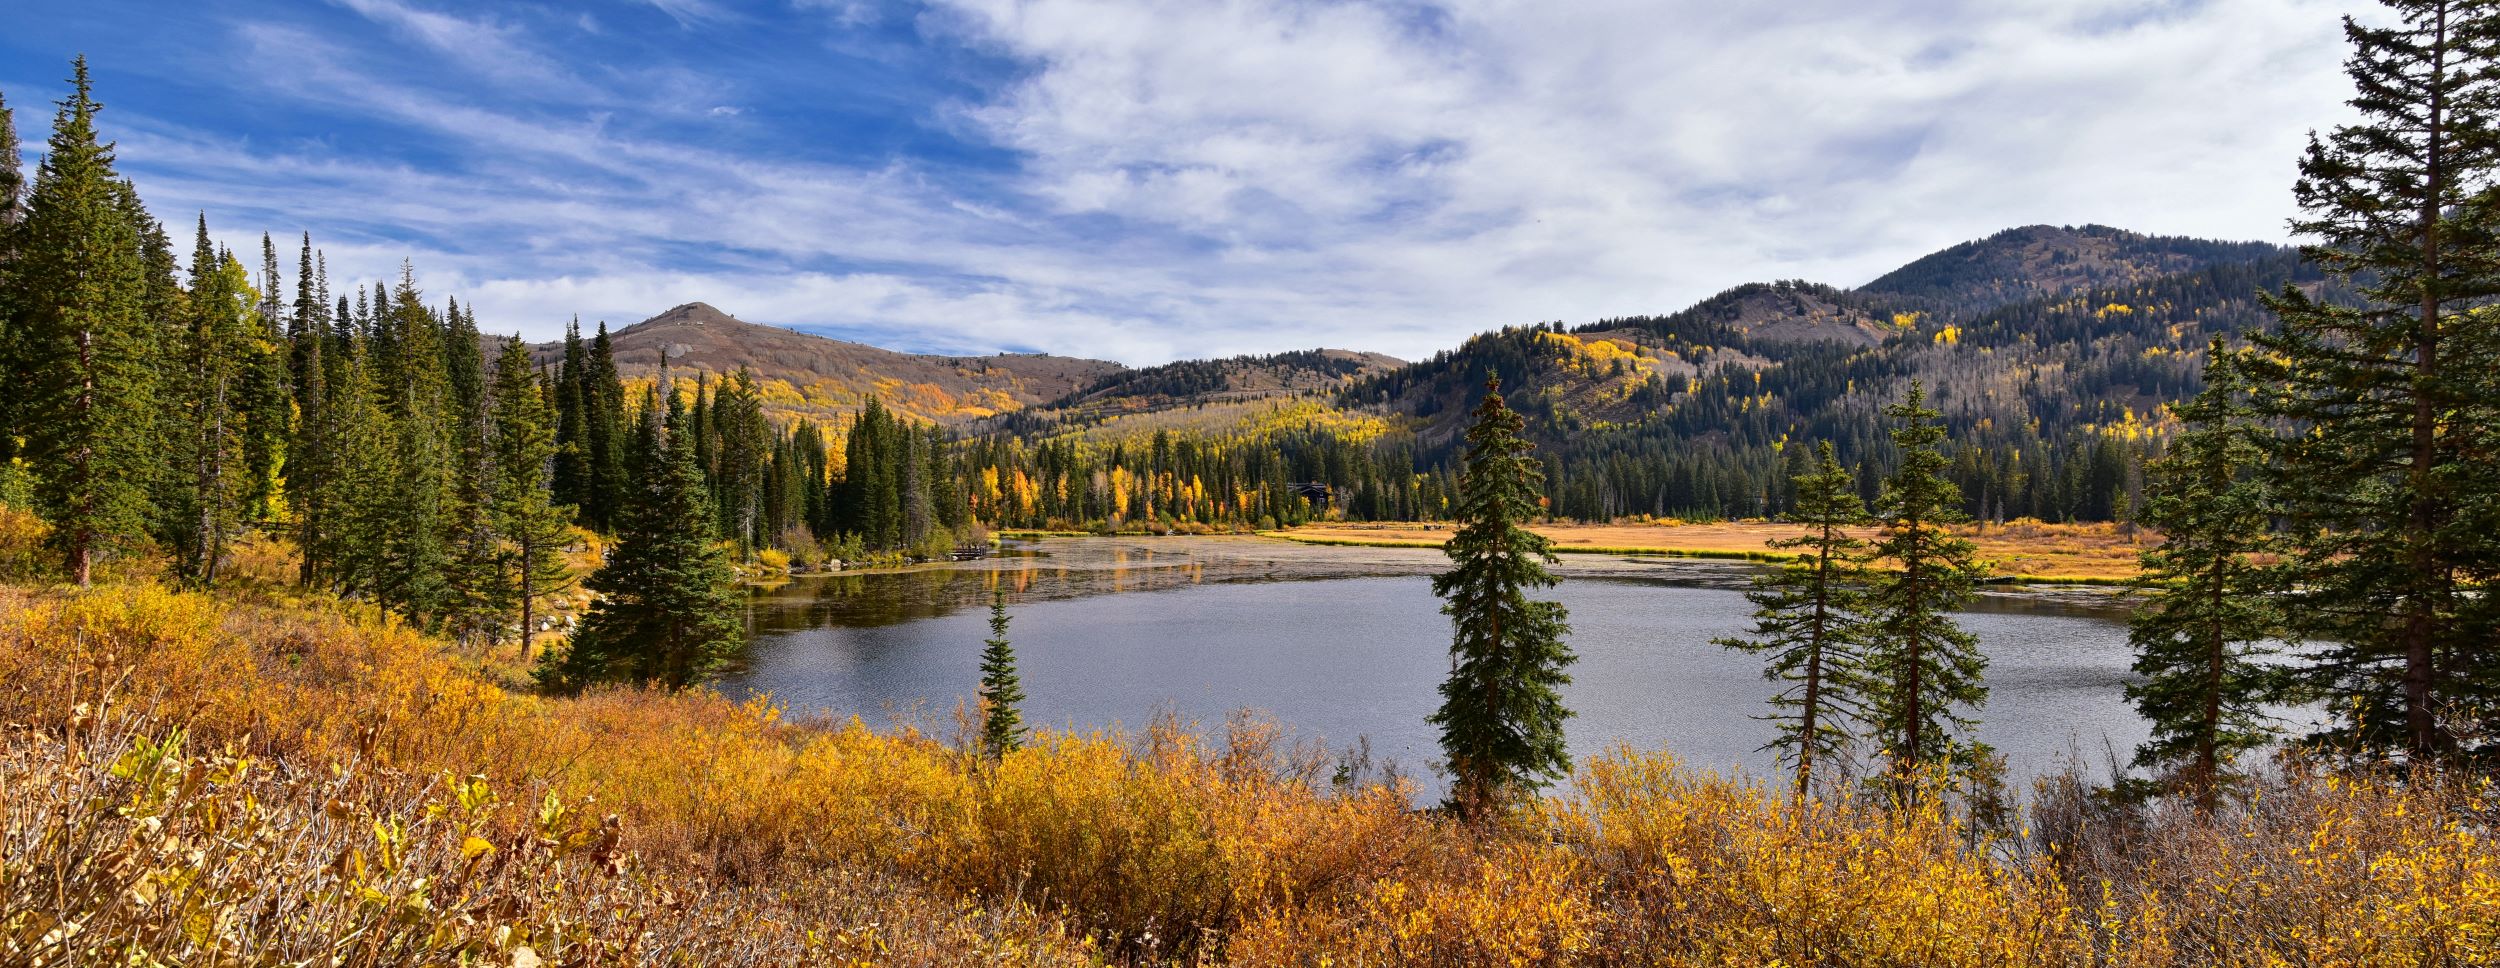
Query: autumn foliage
[(186, 779)]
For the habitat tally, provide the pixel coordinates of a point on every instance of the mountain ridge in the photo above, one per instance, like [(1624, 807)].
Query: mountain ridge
[(1813, 357)]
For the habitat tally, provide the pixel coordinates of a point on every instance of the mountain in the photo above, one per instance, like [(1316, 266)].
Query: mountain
[(2050, 350), (2033, 261), (822, 378)]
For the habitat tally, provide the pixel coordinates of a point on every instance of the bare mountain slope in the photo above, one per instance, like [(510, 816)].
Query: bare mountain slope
[(821, 378)]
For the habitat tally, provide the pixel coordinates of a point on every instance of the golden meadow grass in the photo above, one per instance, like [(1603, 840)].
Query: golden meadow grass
[(195, 780), (2018, 551)]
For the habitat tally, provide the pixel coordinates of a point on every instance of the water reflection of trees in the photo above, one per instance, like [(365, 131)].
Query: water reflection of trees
[(886, 598), (879, 598)]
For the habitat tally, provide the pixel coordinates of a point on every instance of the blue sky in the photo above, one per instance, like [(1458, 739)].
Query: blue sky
[(1143, 180)]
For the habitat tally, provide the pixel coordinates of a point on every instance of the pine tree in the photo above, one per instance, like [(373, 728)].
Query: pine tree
[(264, 398), (355, 546), (1002, 693), (1501, 714), (668, 613), (12, 330), (2380, 476), (479, 586), (745, 448), (415, 576), (1808, 619), (1924, 665), (609, 471), (213, 361), (572, 477), (2200, 646), (81, 289), (310, 463), (525, 455)]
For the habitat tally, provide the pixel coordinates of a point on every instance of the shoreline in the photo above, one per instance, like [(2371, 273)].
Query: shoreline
[(1274, 556)]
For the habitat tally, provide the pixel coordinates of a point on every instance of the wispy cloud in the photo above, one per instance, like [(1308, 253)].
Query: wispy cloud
[(1146, 179)]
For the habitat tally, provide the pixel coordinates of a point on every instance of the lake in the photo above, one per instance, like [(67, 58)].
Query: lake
[(1340, 643)]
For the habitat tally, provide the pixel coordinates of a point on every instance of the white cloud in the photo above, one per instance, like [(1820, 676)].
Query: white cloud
[(1218, 176), (1501, 161)]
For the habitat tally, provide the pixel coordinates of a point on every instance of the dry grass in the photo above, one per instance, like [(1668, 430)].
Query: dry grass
[(326, 805), (2016, 551)]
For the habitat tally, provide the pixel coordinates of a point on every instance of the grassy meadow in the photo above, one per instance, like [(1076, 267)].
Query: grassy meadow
[(2015, 551)]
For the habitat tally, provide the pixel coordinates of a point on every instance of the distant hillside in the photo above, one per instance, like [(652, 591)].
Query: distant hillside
[(2051, 350), (2045, 347), (1234, 377), (2045, 260), (1204, 395), (821, 378)]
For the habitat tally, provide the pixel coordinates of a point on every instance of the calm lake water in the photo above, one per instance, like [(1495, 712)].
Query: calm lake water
[(1345, 645)]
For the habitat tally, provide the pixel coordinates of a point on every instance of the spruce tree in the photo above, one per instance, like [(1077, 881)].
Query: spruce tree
[(1809, 621), (213, 361), (1002, 693), (1923, 665), (2381, 472), (416, 568), (572, 476), (12, 216), (360, 490), (310, 368), (81, 292), (607, 438), (1501, 714), (745, 447), (525, 456), (310, 465), (479, 584), (2200, 646), (668, 613), (264, 395)]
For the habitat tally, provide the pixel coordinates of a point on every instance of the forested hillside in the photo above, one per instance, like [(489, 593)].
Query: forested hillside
[(2050, 398)]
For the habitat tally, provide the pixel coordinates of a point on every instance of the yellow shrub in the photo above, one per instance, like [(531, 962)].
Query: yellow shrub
[(1166, 846), (23, 556), (1731, 873)]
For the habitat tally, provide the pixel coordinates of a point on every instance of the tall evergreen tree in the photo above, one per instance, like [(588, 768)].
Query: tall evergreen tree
[(355, 543), (745, 449), (572, 477), (81, 292), (1501, 714), (525, 456), (1924, 665), (311, 466), (2200, 646), (264, 398), (480, 585), (12, 217), (668, 612), (416, 576), (1002, 692), (214, 358), (2379, 466), (609, 470), (1809, 621)]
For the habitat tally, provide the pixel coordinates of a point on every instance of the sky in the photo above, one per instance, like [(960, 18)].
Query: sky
[(1146, 180)]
